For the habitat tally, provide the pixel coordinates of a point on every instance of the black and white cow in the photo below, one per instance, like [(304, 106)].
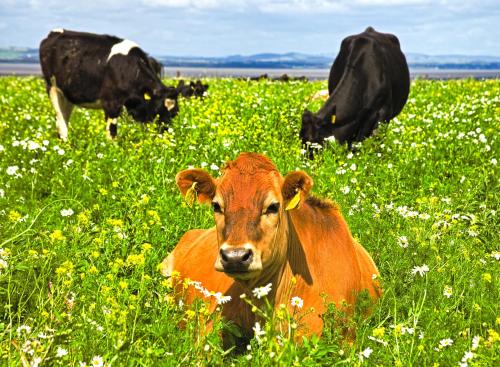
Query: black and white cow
[(369, 82), (105, 72), (193, 89)]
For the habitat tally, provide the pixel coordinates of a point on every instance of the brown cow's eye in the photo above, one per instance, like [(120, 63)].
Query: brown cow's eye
[(216, 207), (273, 208)]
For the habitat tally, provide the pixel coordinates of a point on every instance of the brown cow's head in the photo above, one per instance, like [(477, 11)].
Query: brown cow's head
[(249, 202)]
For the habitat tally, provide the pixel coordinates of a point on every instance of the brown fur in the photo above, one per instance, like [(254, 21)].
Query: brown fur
[(306, 246)]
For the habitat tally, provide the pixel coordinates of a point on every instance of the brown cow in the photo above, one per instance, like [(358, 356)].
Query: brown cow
[(305, 251)]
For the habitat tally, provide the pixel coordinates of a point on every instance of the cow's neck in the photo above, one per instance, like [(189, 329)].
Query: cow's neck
[(327, 110), (290, 264)]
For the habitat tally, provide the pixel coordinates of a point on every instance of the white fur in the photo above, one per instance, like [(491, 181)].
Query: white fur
[(167, 266), (122, 48), (110, 122), (57, 30), (63, 110)]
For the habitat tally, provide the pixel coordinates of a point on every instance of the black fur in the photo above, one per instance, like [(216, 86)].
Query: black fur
[(369, 82), (77, 63)]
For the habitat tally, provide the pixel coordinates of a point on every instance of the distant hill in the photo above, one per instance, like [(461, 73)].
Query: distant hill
[(19, 54), (291, 60)]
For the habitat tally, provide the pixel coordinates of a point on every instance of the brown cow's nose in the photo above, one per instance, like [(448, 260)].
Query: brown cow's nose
[(236, 260)]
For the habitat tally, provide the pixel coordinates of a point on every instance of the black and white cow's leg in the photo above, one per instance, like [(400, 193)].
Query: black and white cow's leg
[(111, 113), (63, 109), (111, 127)]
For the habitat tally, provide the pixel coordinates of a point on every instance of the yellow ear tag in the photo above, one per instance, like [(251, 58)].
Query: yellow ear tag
[(333, 119), (294, 202), (191, 195), (147, 97)]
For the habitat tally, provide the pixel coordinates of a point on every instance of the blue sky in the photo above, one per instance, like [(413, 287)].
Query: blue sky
[(226, 27)]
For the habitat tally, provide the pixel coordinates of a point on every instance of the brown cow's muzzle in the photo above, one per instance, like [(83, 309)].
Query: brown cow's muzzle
[(236, 260), (240, 262)]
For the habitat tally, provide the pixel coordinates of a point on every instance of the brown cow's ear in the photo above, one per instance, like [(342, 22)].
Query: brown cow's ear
[(296, 187), (196, 181)]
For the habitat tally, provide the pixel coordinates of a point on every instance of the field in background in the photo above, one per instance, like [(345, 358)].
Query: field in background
[(24, 69), (85, 224)]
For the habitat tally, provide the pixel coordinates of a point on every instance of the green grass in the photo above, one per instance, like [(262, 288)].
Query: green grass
[(423, 191)]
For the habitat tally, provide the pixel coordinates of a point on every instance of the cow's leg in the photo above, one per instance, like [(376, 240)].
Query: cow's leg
[(111, 112), (369, 124), (63, 111), (111, 128), (345, 133)]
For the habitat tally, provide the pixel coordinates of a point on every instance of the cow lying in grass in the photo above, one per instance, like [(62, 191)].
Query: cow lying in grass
[(269, 232)]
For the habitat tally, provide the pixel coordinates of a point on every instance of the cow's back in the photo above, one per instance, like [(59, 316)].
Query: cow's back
[(365, 57), (336, 265), (76, 63)]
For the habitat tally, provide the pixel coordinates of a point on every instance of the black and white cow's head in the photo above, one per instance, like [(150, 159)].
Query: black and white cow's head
[(158, 104)]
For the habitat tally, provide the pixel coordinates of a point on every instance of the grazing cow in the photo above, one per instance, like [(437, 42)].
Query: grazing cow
[(196, 89), (101, 71), (269, 229), (369, 82), (282, 78)]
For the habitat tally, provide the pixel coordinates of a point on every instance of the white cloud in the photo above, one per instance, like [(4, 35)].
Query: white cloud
[(195, 4)]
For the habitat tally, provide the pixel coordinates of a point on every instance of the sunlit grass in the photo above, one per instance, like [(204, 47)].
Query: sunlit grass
[(85, 224)]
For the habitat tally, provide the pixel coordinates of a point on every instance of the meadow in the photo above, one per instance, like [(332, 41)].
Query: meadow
[(84, 226)]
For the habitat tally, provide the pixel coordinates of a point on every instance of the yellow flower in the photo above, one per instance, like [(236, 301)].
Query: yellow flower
[(137, 259), (95, 254), (493, 336), (66, 268), (115, 184), (487, 277), (190, 314), (57, 235), (103, 191), (93, 270), (146, 247), (14, 216), (155, 216), (115, 222), (123, 284), (83, 218), (397, 329), (145, 199), (378, 332), (167, 283)]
